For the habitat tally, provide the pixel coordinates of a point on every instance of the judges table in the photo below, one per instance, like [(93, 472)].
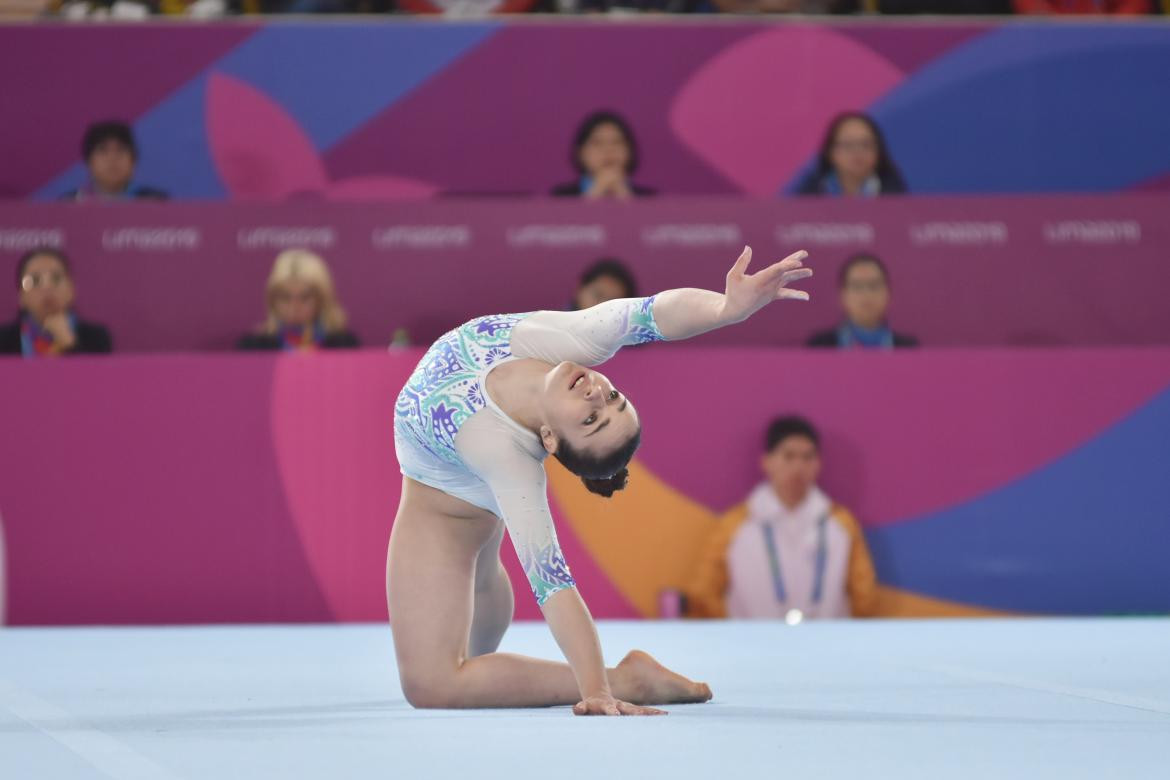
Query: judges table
[(992, 271)]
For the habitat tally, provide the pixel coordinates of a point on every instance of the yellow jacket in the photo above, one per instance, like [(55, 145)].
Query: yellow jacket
[(706, 592)]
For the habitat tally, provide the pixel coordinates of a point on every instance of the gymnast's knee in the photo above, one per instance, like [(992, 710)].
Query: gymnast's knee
[(429, 691), (425, 694)]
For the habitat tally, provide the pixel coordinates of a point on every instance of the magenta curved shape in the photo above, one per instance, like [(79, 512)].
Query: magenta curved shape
[(338, 471), (259, 151), (757, 122)]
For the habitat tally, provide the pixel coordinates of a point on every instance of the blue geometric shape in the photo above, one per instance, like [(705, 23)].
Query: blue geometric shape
[(1087, 534), (330, 79), (334, 78), (1035, 108)]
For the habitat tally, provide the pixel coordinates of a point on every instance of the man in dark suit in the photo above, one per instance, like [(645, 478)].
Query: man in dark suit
[(46, 325), (865, 301)]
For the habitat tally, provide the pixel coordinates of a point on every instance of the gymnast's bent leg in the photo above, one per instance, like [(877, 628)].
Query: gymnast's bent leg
[(494, 603), (431, 578)]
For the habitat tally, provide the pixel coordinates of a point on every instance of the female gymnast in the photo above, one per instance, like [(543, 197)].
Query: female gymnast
[(487, 403)]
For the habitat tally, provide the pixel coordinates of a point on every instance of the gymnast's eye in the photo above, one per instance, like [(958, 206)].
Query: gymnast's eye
[(591, 419), (613, 395)]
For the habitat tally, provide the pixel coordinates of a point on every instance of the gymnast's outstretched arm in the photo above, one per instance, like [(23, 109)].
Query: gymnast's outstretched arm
[(593, 335), (687, 312)]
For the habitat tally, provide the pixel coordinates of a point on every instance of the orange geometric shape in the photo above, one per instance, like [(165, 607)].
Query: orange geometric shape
[(645, 538)]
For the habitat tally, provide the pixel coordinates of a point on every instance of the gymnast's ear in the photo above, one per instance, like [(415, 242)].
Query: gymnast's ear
[(549, 440)]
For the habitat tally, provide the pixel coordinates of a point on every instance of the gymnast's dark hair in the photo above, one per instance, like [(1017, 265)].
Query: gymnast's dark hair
[(41, 251), (605, 475), (785, 427), (596, 120), (886, 170)]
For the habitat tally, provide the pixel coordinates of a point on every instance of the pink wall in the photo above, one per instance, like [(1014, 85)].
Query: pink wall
[(966, 271), (179, 489)]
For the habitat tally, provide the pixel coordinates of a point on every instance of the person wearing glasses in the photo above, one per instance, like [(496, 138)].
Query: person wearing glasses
[(46, 325), (865, 302), (853, 162)]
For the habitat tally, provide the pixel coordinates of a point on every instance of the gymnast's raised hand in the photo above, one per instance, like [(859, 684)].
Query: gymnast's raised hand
[(488, 403), (682, 314)]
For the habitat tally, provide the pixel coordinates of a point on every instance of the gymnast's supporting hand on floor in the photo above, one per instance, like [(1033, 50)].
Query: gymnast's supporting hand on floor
[(486, 405)]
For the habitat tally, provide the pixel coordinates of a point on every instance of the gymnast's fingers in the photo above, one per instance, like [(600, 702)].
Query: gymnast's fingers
[(785, 294), (597, 706), (797, 275), (742, 262), (790, 263)]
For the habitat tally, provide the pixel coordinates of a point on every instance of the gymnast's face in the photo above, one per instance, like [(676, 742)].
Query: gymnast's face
[(582, 407)]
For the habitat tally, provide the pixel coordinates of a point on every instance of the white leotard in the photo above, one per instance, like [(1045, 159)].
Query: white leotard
[(451, 435)]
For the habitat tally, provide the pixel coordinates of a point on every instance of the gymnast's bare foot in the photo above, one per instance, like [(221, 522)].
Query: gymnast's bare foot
[(652, 683)]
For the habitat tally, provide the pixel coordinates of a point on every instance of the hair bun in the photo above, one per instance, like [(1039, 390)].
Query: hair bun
[(607, 487)]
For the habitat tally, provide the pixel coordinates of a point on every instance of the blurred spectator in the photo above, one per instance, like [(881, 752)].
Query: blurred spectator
[(985, 7), (474, 8), (110, 153), (865, 301), (605, 155), (853, 161), (629, 6), (1117, 7), (46, 325), (784, 6), (334, 6), (603, 281), (22, 9), (303, 311), (938, 7), (788, 551)]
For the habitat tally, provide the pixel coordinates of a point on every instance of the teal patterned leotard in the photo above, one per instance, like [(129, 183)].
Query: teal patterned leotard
[(450, 434)]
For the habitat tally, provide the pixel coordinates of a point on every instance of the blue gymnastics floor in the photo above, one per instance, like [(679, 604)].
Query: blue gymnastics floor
[(939, 699)]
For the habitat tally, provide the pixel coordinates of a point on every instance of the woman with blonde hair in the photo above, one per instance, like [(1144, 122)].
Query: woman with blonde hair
[(303, 311)]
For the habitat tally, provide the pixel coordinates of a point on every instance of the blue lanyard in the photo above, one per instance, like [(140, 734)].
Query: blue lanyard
[(819, 561), (848, 336)]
